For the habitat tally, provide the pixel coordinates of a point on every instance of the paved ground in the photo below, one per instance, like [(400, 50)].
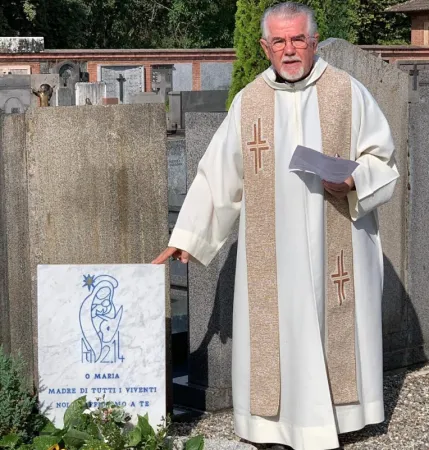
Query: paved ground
[(406, 426)]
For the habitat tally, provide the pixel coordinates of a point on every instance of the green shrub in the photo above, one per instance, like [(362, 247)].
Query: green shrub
[(19, 412)]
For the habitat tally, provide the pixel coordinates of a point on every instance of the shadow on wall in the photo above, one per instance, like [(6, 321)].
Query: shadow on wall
[(405, 347)]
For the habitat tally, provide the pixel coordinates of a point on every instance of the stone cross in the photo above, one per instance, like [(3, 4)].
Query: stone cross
[(121, 80)]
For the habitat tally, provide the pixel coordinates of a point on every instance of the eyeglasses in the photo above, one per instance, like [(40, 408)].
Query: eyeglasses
[(298, 42)]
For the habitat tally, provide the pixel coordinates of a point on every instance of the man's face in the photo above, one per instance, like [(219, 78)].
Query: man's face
[(290, 63)]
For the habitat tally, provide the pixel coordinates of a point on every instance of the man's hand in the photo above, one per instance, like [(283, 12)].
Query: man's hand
[(339, 190), (176, 253)]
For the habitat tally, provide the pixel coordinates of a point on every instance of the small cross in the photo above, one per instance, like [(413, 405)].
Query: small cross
[(121, 80), (258, 145), (341, 278), (415, 73)]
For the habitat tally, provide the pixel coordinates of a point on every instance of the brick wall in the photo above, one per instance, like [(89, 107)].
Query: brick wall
[(419, 30), (35, 67), (196, 76)]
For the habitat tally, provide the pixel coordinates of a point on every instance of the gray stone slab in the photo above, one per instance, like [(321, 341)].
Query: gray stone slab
[(216, 76), (424, 86), (144, 98), (69, 74), (22, 44), (179, 310), (134, 81), (418, 271), (15, 93), (176, 150), (74, 194), (94, 92), (174, 114), (211, 289), (182, 77), (38, 79), (202, 101), (65, 97), (389, 86), (178, 274)]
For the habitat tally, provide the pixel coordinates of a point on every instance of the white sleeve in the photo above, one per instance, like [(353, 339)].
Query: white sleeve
[(213, 202), (376, 175)]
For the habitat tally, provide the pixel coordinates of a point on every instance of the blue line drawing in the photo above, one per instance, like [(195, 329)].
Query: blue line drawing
[(99, 321)]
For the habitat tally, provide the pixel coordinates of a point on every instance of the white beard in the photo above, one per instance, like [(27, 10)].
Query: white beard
[(292, 77)]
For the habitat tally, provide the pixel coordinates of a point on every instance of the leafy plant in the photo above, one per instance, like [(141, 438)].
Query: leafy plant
[(19, 411), (105, 427)]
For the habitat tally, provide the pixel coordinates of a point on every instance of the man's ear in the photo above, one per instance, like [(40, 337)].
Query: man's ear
[(265, 47), (316, 41)]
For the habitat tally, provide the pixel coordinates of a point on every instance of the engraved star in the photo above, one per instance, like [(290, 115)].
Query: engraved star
[(88, 281)]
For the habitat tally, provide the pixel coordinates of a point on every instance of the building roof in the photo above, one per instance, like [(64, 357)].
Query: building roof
[(410, 6)]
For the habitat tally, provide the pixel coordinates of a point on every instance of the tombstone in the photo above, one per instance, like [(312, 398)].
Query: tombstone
[(416, 69), (37, 80), (109, 341), (176, 172), (216, 76), (424, 86), (89, 204), (174, 113), (389, 86), (90, 93), (202, 101), (15, 93), (211, 290), (69, 74), (417, 314), (15, 69), (65, 97), (162, 80), (182, 77), (145, 98), (123, 82), (22, 44)]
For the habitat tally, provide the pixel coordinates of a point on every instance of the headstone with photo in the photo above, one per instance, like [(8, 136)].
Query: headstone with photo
[(109, 331)]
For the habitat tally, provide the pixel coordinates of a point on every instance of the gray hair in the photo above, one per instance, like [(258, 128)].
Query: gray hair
[(288, 10)]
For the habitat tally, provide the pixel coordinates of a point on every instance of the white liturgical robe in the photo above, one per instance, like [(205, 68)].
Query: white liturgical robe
[(307, 418)]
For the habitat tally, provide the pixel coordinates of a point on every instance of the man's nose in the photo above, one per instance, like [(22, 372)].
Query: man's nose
[(289, 49)]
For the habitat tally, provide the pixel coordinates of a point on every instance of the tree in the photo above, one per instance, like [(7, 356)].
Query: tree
[(378, 27)]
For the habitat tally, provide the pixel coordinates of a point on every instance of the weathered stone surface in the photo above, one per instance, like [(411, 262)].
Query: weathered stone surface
[(22, 44), (134, 81), (15, 93), (176, 172), (202, 101), (216, 76), (210, 296), (389, 86), (92, 92), (182, 77), (418, 272), (82, 185)]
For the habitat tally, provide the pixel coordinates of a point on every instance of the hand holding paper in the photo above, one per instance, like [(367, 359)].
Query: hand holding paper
[(328, 168)]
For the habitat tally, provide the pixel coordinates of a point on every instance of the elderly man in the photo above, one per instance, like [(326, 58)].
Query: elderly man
[(307, 344)]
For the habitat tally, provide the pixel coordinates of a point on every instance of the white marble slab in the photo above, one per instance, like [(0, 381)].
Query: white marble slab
[(101, 332)]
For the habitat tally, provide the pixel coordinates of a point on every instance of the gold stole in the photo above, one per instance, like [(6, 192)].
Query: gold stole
[(257, 128)]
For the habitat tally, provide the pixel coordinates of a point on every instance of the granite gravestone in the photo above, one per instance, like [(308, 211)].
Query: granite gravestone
[(90, 93), (182, 77), (15, 93), (87, 205), (389, 86), (216, 76), (109, 343), (123, 82), (69, 74), (211, 291)]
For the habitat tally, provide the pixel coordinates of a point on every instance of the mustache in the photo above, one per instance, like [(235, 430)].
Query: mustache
[(291, 60)]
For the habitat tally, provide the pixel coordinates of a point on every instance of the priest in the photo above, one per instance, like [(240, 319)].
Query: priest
[(307, 340)]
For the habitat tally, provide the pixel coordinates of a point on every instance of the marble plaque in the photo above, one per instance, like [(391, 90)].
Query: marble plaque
[(101, 333)]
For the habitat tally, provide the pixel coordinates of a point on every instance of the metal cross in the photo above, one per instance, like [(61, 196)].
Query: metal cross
[(258, 145), (415, 73), (121, 80), (341, 278)]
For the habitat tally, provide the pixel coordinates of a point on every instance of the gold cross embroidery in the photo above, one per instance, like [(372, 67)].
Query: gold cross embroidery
[(341, 278), (258, 145)]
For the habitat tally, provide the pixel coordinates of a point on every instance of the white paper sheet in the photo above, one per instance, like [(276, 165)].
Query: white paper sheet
[(329, 168)]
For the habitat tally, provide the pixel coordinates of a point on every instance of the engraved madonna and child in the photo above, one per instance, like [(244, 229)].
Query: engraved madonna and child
[(99, 321)]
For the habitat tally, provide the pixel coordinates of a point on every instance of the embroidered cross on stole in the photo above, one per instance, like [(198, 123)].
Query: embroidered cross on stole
[(257, 128)]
